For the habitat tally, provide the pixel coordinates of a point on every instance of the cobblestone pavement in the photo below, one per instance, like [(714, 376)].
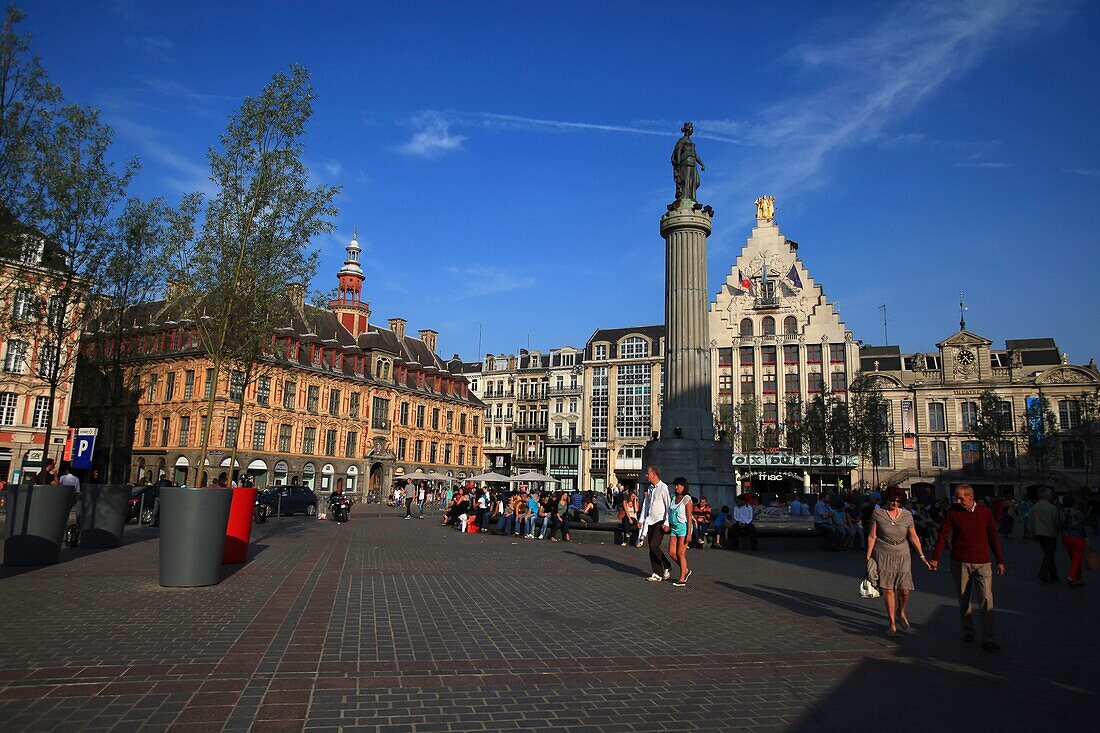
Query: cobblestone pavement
[(388, 625)]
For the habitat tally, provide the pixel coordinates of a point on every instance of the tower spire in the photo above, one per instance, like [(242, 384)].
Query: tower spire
[(962, 313)]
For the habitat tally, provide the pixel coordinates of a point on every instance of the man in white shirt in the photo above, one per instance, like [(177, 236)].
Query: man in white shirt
[(654, 514), (741, 524)]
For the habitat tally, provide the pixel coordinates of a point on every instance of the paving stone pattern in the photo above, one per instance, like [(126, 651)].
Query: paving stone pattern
[(387, 625)]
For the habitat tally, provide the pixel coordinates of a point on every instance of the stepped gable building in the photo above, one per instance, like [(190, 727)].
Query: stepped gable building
[(936, 439), (29, 270), (623, 391), (344, 403), (778, 343)]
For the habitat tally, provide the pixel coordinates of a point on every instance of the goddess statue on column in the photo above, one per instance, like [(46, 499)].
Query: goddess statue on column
[(684, 159)]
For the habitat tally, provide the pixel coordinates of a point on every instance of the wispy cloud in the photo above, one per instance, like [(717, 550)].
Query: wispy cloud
[(433, 137), (868, 81), (480, 280), (490, 119), (984, 165), (157, 47), (180, 173), (1083, 171)]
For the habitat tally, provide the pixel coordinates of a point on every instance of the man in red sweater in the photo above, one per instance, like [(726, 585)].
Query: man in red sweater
[(972, 531)]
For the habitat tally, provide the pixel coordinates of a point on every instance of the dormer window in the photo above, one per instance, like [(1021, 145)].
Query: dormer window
[(599, 351)]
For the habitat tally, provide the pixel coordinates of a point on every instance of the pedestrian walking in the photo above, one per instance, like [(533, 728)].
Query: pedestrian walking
[(892, 531), (972, 532), (1044, 528), (654, 513), (421, 498), (1073, 527), (678, 524)]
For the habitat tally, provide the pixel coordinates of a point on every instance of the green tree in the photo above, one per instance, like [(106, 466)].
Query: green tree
[(794, 430), (254, 243), (991, 430), (1040, 427), (27, 101), (748, 425), (870, 422), (1089, 432)]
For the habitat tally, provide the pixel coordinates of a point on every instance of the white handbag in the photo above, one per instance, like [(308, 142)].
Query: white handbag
[(866, 590)]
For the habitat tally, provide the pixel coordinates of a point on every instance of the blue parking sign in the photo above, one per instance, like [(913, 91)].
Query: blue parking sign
[(83, 446)]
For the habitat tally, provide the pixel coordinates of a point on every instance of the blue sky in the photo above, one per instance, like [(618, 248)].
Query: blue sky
[(507, 163)]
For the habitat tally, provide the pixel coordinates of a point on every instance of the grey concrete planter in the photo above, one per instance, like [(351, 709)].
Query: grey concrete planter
[(192, 535), (103, 514), (36, 523)]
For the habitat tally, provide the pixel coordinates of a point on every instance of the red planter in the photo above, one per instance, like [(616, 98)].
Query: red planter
[(239, 530)]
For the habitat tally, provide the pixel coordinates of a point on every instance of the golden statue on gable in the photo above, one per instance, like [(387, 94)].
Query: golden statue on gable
[(765, 208)]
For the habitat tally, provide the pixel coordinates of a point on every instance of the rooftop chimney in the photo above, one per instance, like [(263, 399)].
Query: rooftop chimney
[(428, 336), (397, 325)]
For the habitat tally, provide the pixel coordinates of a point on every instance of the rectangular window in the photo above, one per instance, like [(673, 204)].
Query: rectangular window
[(380, 411), (151, 390), (813, 353), (236, 384), (1073, 454), (15, 358), (189, 384), (836, 353), (259, 435), (771, 412), (47, 362), (290, 395), (815, 381), (22, 305), (937, 417), (790, 354), (334, 402), (330, 443), (1069, 414), (231, 426), (404, 413), (8, 402), (748, 385), (473, 455), (1008, 454), (418, 451), (402, 448), (747, 356), (263, 391), (353, 405), (462, 425), (1004, 415), (351, 444), (185, 430), (284, 438), (433, 452), (147, 432), (435, 420), (477, 419), (462, 455), (633, 395), (838, 381), (767, 355), (599, 351), (939, 454), (768, 383), (420, 416), (309, 440), (790, 383), (971, 456), (882, 455), (170, 387), (725, 383), (969, 414), (313, 397), (165, 428), (450, 421), (41, 408), (208, 387)]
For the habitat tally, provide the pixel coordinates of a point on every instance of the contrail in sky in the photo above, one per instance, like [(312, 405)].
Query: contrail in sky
[(563, 125)]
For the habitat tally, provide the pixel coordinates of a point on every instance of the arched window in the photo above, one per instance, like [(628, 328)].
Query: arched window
[(767, 326), (790, 326), (634, 347), (746, 327)]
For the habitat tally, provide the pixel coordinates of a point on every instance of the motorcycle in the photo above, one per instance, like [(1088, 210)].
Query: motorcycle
[(339, 507)]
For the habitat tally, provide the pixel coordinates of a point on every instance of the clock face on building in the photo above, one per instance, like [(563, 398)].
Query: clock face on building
[(965, 361)]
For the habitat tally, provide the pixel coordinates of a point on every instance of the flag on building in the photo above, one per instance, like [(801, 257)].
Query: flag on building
[(746, 284), (794, 278)]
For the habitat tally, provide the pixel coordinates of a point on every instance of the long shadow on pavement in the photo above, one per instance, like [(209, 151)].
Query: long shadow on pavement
[(816, 606), (607, 562)]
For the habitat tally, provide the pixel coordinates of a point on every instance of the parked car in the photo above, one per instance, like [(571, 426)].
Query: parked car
[(286, 500), (149, 493)]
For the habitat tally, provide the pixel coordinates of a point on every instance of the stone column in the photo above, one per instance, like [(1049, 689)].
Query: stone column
[(687, 405)]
